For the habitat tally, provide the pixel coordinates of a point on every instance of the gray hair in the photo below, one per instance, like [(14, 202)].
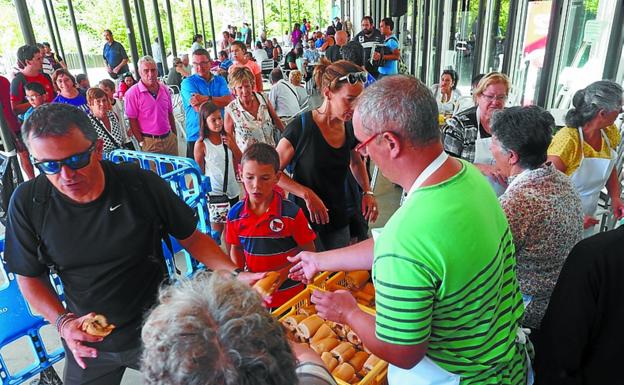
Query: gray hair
[(403, 104), (146, 59), (525, 130), (214, 330), (587, 102), (57, 119)]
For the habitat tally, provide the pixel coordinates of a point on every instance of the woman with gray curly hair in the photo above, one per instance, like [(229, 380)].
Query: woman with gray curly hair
[(214, 330), (585, 149)]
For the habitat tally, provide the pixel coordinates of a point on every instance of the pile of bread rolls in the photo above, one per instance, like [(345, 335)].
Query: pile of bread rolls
[(358, 283), (339, 347)]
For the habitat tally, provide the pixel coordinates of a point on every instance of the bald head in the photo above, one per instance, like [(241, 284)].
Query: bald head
[(341, 38)]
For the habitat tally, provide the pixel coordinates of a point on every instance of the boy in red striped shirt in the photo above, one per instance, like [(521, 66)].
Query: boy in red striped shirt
[(264, 228)]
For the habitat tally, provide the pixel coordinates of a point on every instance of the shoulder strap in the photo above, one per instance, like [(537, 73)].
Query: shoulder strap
[(40, 193), (302, 143), (227, 169)]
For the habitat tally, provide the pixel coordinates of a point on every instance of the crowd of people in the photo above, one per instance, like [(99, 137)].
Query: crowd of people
[(482, 275)]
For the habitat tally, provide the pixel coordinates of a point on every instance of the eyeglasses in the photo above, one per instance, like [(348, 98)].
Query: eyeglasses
[(75, 162), (200, 64), (354, 77), (498, 98), (361, 148)]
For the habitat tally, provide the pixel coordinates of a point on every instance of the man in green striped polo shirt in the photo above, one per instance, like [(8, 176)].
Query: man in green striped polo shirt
[(448, 301)]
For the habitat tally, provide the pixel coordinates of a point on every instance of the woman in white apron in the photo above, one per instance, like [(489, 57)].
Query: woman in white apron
[(585, 149), (467, 135)]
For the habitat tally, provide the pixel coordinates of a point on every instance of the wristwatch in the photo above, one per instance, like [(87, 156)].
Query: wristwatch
[(236, 272), (369, 192)]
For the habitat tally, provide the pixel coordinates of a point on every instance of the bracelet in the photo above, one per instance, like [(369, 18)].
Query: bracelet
[(369, 192), (236, 272), (62, 319)]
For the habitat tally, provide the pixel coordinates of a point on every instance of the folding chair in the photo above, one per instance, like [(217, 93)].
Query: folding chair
[(17, 322)]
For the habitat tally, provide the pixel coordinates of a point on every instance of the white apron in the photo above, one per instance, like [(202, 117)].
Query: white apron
[(483, 155), (426, 372), (591, 176)]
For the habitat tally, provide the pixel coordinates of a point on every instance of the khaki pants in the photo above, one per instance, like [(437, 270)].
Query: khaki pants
[(167, 145)]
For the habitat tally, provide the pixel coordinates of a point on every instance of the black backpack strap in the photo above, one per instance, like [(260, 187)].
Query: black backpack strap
[(41, 192), (301, 145)]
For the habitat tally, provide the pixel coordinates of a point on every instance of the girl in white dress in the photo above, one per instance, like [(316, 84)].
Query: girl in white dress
[(216, 153)]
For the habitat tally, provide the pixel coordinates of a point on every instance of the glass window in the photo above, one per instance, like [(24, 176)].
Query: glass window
[(498, 13), (406, 35), (586, 29), (432, 49), (460, 54), (526, 75)]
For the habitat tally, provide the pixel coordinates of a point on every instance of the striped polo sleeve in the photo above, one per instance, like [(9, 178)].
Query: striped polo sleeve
[(404, 298)]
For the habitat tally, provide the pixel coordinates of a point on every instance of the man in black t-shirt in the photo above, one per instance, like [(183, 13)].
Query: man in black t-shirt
[(99, 226), (369, 34)]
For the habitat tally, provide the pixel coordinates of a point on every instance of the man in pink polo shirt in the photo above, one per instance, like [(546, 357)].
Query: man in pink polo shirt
[(238, 50), (150, 111)]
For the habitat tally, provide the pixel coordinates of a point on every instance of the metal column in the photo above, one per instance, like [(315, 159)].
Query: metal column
[(320, 17), (137, 12), (145, 29), (134, 51), (174, 50), (49, 23), (72, 16), (161, 38), (212, 28), (201, 18), (24, 21), (56, 29), (263, 17), (253, 26), (290, 24), (194, 17)]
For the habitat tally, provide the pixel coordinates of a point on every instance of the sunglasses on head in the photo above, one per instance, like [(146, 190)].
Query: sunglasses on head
[(75, 162), (354, 77)]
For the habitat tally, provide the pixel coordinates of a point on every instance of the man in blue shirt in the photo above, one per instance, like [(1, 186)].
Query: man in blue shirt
[(115, 56), (391, 60), (199, 88)]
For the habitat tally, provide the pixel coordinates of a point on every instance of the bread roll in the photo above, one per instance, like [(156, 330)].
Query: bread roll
[(324, 345), (357, 279), (344, 371), (97, 326), (309, 326), (370, 363), (267, 285), (330, 361), (292, 321), (323, 332), (353, 338), (358, 360), (343, 352)]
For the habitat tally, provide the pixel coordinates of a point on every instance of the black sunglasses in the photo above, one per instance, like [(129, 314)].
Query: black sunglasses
[(75, 162), (354, 77)]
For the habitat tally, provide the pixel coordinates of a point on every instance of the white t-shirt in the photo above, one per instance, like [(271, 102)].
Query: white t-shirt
[(214, 165), (260, 55), (156, 52)]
